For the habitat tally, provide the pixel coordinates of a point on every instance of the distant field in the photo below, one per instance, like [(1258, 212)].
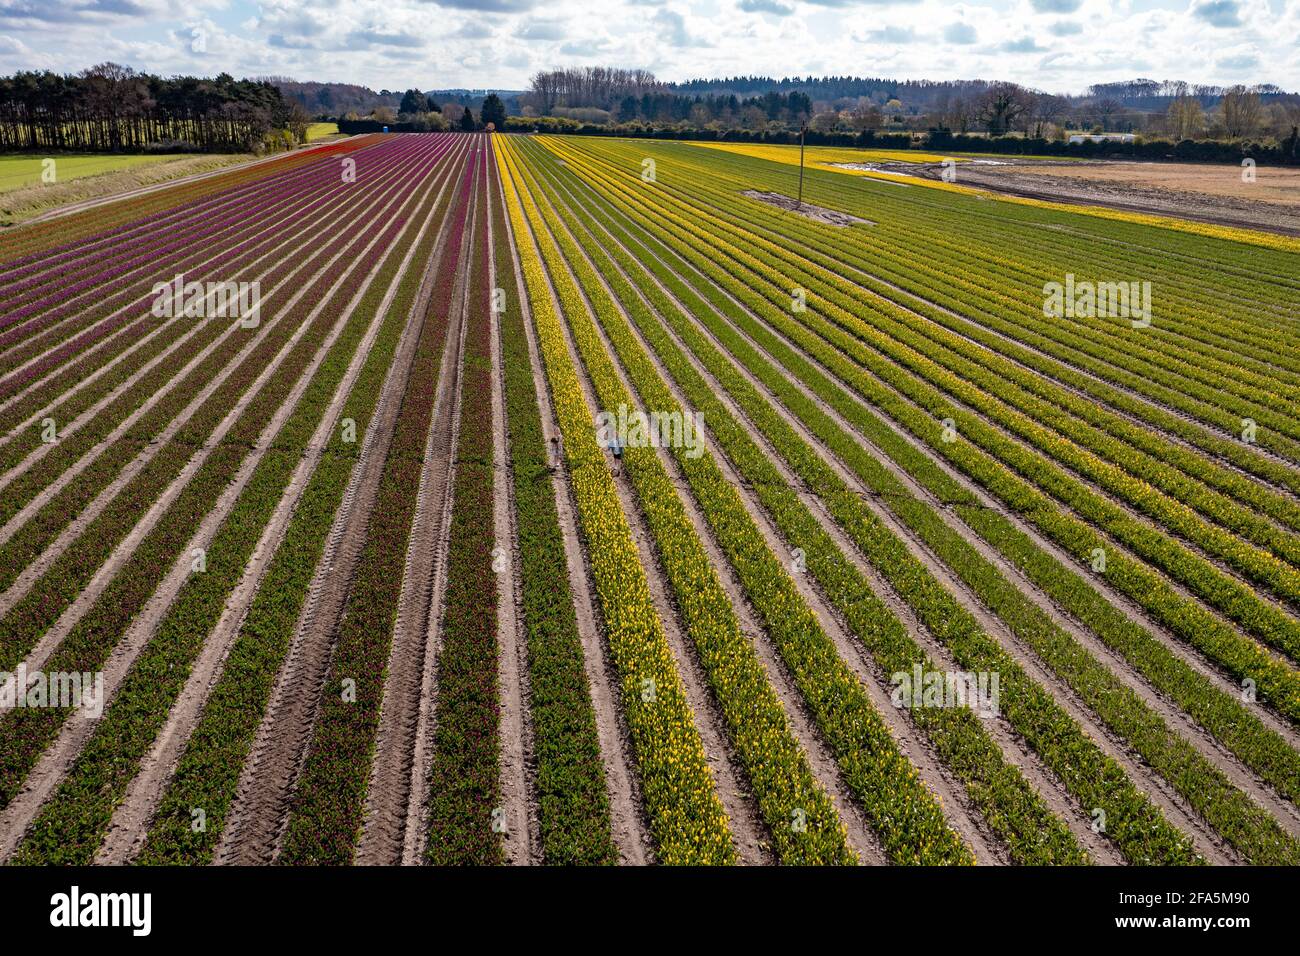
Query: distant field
[(320, 130), (825, 155), (21, 170), (24, 196), (1279, 184)]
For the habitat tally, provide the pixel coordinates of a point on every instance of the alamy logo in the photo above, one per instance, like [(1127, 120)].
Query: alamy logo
[(208, 300), (1098, 300), (73, 909), (977, 691), (629, 428), (36, 690)]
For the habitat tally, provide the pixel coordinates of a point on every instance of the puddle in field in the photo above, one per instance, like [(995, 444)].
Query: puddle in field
[(891, 169)]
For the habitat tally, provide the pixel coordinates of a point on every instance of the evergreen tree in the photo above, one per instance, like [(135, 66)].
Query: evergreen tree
[(494, 112)]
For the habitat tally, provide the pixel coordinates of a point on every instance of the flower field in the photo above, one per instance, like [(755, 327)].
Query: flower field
[(880, 562)]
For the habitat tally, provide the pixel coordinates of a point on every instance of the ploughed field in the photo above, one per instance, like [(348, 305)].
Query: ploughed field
[(473, 498)]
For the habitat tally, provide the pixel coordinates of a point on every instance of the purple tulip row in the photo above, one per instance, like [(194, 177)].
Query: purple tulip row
[(201, 259), (270, 176), (400, 161), (24, 297)]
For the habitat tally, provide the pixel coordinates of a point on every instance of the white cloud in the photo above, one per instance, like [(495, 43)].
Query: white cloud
[(1062, 45)]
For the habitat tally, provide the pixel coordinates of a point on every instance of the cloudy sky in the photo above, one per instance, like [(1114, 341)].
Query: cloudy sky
[(1059, 45)]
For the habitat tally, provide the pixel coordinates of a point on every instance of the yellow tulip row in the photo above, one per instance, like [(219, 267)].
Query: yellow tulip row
[(687, 820)]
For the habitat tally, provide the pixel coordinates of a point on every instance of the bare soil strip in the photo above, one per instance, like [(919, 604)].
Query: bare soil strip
[(395, 795), (260, 808), (627, 815), (1152, 200), (827, 217)]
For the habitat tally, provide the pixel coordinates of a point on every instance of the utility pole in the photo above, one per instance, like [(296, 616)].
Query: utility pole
[(803, 128)]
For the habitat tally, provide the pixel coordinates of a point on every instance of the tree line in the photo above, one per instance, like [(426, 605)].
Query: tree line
[(1166, 110), (113, 108)]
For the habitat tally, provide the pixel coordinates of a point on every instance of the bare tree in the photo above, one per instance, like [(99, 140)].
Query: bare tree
[(1003, 106), (1241, 112), (1185, 118)]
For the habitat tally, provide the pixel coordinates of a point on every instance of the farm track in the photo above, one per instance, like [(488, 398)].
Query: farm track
[(395, 796)]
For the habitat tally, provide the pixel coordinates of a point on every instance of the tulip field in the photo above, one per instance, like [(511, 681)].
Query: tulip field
[(322, 466)]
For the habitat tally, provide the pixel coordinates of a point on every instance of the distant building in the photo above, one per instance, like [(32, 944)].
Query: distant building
[(1102, 138)]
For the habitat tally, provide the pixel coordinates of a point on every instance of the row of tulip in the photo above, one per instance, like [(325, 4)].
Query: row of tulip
[(328, 806), (799, 815), (38, 609), (465, 772), (77, 322), (1205, 788), (72, 824), (573, 812), (1209, 791), (32, 244), (930, 260), (208, 770), (897, 803), (686, 820), (1019, 819), (114, 244), (25, 733), (1256, 614)]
